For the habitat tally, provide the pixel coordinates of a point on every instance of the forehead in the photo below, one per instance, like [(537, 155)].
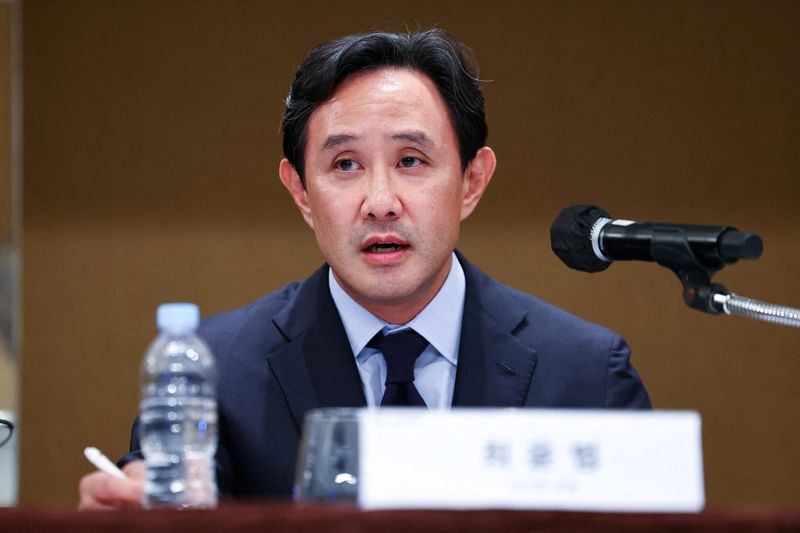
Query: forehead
[(379, 102)]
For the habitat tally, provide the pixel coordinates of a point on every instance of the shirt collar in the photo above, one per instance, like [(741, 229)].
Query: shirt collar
[(439, 322)]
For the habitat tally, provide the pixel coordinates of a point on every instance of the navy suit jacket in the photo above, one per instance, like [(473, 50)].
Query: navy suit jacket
[(288, 352)]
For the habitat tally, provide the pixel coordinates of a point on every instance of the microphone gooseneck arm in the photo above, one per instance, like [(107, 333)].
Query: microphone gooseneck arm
[(733, 304)]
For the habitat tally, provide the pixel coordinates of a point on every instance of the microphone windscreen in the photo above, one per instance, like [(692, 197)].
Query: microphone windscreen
[(570, 237)]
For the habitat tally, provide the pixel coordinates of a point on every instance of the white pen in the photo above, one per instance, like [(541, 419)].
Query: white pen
[(102, 462)]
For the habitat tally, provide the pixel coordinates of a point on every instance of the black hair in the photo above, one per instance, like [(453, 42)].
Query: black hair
[(435, 53)]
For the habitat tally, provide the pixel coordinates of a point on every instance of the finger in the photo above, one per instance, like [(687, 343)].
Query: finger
[(134, 469), (88, 490), (124, 491), (99, 490), (87, 501)]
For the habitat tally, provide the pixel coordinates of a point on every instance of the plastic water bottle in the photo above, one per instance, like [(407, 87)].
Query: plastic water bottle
[(178, 413)]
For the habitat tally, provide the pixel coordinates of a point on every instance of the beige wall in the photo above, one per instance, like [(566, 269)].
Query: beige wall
[(8, 365), (152, 143), (5, 122)]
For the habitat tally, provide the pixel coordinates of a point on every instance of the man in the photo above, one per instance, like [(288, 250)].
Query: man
[(384, 144)]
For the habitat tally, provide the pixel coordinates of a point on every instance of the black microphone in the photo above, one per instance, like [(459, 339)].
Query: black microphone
[(587, 238)]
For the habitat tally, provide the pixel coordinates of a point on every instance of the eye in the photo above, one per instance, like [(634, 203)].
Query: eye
[(346, 165), (410, 161)]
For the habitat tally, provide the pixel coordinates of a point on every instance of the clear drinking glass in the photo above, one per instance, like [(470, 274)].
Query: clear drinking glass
[(327, 462)]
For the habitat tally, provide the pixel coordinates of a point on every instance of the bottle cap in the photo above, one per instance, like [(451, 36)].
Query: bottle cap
[(177, 317)]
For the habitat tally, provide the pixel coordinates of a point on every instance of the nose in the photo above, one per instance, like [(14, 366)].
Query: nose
[(380, 197)]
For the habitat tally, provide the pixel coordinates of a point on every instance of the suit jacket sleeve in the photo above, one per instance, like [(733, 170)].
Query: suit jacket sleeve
[(624, 388)]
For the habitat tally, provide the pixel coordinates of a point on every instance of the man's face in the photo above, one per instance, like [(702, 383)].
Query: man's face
[(385, 193)]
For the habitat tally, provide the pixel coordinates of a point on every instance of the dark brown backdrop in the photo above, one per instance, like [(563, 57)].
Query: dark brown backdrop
[(151, 151)]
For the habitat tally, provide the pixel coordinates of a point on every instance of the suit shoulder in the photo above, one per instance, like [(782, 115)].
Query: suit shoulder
[(256, 316), (545, 315), (525, 313), (550, 330)]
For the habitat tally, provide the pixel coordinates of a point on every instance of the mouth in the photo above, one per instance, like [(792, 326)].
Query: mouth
[(385, 247)]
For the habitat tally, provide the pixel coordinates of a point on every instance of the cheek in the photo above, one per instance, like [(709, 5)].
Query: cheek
[(332, 218), (439, 213), (446, 202)]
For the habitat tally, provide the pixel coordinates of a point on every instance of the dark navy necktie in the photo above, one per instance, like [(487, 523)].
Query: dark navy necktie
[(400, 351)]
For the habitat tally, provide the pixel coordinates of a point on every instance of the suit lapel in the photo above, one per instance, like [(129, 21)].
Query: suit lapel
[(494, 368), (316, 368)]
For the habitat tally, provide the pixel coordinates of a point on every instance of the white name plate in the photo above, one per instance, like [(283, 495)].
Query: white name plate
[(585, 460)]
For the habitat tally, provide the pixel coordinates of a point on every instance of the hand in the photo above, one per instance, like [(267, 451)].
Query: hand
[(101, 491)]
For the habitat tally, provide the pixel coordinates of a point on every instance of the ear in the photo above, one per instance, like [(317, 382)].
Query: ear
[(291, 180), (476, 178)]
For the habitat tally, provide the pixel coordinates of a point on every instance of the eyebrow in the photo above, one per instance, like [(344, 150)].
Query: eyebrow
[(414, 136), (335, 140)]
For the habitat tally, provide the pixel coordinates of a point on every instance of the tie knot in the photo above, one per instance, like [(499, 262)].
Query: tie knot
[(400, 351)]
